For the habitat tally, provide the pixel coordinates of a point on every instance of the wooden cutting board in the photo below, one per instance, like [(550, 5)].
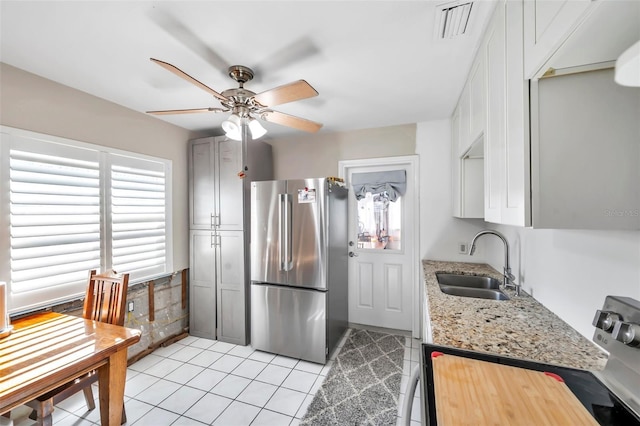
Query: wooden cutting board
[(474, 392)]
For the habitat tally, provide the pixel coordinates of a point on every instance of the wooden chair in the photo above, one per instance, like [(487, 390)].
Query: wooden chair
[(105, 301)]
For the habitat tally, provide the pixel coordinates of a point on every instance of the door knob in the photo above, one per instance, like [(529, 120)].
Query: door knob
[(352, 254), (351, 243)]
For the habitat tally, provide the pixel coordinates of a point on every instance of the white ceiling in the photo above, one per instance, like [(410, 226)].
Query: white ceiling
[(374, 63)]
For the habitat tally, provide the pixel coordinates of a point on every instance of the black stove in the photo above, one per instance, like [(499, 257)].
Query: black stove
[(607, 395)]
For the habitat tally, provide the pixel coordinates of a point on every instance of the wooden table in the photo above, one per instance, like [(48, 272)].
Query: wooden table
[(49, 349)]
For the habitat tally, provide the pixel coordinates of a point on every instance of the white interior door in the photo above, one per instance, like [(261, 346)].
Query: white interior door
[(383, 238)]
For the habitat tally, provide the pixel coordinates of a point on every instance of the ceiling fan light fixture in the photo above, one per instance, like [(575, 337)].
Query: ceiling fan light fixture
[(257, 131), (236, 135), (232, 125)]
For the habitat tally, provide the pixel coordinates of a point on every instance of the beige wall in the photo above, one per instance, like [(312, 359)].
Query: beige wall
[(317, 155), (33, 103)]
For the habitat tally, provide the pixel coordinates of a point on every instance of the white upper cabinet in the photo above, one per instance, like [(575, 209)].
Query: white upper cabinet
[(494, 51), (468, 126), (455, 164), (547, 23), (472, 106), (477, 99), (506, 144), (463, 106)]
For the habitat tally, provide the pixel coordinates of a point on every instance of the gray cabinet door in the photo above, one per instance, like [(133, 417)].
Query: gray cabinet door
[(201, 183), (230, 280), (216, 192), (202, 284), (229, 203)]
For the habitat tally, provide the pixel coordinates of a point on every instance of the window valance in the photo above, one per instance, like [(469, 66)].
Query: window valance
[(393, 183)]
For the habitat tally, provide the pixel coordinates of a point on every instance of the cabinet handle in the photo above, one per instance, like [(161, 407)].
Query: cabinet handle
[(216, 240)]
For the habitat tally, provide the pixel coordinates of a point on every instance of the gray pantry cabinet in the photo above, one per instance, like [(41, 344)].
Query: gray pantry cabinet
[(219, 213)]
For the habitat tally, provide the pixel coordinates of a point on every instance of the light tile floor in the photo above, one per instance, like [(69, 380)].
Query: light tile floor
[(198, 381)]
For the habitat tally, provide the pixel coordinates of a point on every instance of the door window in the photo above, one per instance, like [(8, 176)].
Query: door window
[(379, 222)]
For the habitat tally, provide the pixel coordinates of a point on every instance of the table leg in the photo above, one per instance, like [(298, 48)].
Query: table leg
[(111, 379)]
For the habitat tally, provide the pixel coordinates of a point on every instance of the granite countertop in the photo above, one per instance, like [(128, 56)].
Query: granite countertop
[(520, 327)]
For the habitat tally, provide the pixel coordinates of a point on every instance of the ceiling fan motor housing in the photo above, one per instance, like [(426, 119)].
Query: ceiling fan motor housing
[(240, 73)]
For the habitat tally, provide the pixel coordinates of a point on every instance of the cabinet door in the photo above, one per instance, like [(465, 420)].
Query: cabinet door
[(507, 179), (586, 172), (464, 138), (230, 278), (202, 285), (201, 183), (546, 25), (516, 194), (456, 189), (229, 207), (494, 147), (477, 95)]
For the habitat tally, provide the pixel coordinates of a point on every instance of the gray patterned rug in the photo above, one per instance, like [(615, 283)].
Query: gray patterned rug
[(363, 385)]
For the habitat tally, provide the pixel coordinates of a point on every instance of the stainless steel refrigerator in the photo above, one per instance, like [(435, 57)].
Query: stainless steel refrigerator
[(298, 267)]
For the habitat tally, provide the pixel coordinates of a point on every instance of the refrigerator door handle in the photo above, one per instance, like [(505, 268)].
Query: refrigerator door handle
[(285, 233), (282, 241), (289, 232)]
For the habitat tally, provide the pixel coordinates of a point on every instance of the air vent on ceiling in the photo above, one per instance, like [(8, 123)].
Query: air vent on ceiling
[(452, 19)]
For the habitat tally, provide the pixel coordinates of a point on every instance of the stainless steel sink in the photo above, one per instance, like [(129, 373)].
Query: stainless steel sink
[(471, 286), (472, 281), (479, 293)]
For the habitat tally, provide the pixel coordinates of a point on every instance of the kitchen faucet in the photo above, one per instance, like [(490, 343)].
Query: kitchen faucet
[(507, 276)]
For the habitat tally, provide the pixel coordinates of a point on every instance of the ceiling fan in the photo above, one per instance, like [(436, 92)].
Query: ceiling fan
[(246, 105)]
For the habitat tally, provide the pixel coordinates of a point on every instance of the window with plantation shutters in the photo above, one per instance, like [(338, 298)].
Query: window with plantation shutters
[(138, 220), (69, 207), (55, 220)]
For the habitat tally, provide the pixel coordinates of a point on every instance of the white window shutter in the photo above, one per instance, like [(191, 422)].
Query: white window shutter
[(55, 222), (138, 211)]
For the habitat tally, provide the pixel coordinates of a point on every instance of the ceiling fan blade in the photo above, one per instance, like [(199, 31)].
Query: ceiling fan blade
[(291, 121), (183, 34), (186, 111), (187, 77), (296, 51), (288, 93)]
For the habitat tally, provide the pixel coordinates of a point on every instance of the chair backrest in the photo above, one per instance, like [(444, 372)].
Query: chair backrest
[(106, 297)]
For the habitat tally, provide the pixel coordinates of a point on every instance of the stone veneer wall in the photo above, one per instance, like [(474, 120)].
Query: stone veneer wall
[(170, 319)]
